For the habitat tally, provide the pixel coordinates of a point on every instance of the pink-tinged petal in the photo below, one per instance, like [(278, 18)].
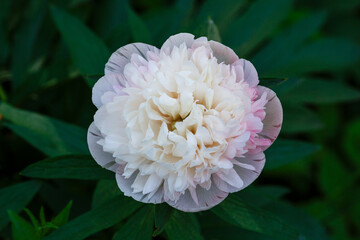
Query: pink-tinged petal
[(223, 53), (122, 56), (104, 159), (246, 71), (206, 199), (274, 115), (109, 84), (176, 41), (248, 168), (125, 186)]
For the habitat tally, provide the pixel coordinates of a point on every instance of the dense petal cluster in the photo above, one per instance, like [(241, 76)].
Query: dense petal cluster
[(185, 124)]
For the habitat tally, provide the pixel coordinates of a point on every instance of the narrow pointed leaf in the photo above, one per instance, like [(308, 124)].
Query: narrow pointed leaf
[(163, 212), (322, 91), (95, 220), (235, 211), (88, 52), (51, 136), (256, 24), (15, 198), (104, 191), (284, 45), (21, 229), (139, 226), (183, 226), (139, 30), (63, 216), (68, 166)]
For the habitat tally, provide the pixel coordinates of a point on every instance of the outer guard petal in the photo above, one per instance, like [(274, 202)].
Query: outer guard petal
[(248, 169), (122, 56), (125, 186), (111, 83), (274, 115), (223, 53), (177, 40), (104, 159), (206, 199)]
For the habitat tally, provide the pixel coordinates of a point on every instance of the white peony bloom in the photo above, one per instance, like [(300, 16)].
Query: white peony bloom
[(185, 124)]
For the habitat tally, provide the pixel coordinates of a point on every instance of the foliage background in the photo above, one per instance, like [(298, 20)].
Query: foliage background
[(52, 52)]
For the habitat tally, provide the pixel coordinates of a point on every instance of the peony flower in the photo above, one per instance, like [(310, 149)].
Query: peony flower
[(185, 124)]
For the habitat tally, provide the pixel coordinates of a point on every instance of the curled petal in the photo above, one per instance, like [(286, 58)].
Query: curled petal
[(223, 53), (245, 70), (122, 56), (206, 199), (176, 41), (104, 159), (108, 86), (274, 116)]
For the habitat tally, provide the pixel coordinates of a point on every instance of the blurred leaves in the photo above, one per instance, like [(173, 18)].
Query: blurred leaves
[(183, 225), (139, 30), (24, 47), (256, 24), (237, 212), (21, 229), (88, 52), (68, 166), (163, 213), (51, 136), (321, 91), (104, 191), (283, 152), (139, 226), (15, 198)]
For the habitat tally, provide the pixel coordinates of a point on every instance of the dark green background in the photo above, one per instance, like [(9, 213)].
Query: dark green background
[(52, 52)]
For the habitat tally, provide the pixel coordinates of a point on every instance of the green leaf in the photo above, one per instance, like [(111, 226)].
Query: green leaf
[(15, 198), (95, 220), (21, 229), (283, 152), (34, 221), (213, 31), (322, 91), (68, 166), (284, 45), (139, 226), (51, 136), (351, 142), (163, 212), (42, 216), (104, 191), (256, 24), (24, 43), (271, 81), (183, 225), (63, 217), (88, 52), (222, 12), (328, 54), (305, 224), (299, 119), (331, 170), (139, 30), (259, 196), (235, 211)]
